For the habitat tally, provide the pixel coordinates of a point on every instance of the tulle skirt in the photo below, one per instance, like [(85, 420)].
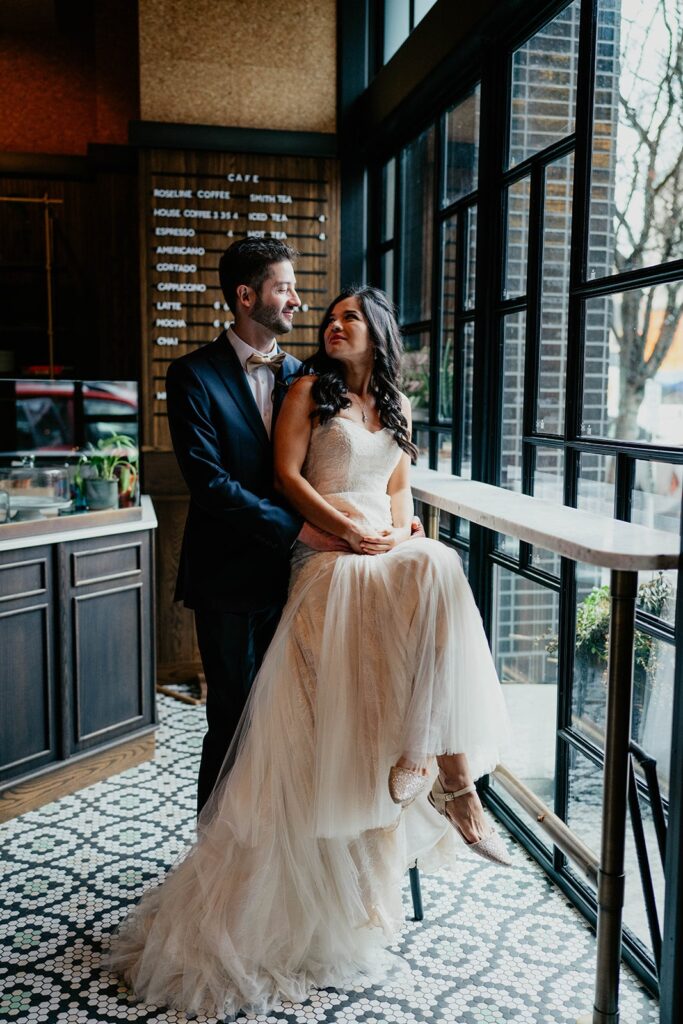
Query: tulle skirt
[(294, 881)]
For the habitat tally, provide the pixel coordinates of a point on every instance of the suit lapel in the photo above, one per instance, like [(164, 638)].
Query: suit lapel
[(235, 379)]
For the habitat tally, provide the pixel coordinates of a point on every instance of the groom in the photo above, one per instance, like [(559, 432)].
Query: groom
[(223, 400)]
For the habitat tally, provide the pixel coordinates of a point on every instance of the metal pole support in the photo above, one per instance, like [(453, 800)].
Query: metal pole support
[(433, 516), (624, 586), (416, 892)]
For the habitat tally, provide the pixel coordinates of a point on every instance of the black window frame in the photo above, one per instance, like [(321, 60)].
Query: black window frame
[(491, 66)]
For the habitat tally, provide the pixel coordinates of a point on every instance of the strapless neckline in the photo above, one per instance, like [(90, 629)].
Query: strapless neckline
[(344, 419)]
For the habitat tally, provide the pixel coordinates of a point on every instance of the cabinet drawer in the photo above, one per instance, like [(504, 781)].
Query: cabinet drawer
[(23, 577), (101, 564)]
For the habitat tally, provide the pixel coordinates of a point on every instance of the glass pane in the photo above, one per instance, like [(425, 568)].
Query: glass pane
[(416, 374), (524, 613), (517, 245), (585, 818), (633, 377), (421, 8), (653, 665), (389, 199), (590, 651), (396, 26), (421, 441), (463, 552), (444, 454), (557, 214), (637, 173), (596, 366), (544, 74), (467, 399), (657, 495), (448, 307), (514, 343), (656, 502), (596, 483), (461, 142), (653, 694), (417, 183), (549, 475), (548, 485), (657, 593), (469, 298), (446, 377), (387, 271)]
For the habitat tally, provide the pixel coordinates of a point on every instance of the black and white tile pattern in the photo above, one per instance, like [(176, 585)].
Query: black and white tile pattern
[(496, 945)]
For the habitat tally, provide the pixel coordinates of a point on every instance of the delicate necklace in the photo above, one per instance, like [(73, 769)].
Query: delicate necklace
[(363, 407)]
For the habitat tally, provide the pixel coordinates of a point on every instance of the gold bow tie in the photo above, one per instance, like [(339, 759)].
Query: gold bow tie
[(273, 362)]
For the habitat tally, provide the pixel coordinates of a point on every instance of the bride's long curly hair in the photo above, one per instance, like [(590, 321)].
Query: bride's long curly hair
[(330, 392)]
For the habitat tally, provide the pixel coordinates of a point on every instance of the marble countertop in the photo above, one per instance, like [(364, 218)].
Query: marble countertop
[(582, 536), (148, 521)]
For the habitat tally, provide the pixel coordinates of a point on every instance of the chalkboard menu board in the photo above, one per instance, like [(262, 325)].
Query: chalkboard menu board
[(195, 204)]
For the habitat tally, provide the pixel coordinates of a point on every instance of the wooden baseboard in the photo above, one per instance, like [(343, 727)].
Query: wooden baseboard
[(74, 775)]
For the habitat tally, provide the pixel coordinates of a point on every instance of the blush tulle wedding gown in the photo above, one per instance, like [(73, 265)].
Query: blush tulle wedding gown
[(294, 881)]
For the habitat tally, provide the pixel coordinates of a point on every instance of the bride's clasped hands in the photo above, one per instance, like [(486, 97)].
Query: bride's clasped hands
[(376, 543)]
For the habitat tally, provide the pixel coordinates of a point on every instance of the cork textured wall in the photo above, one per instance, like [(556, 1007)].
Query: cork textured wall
[(239, 63)]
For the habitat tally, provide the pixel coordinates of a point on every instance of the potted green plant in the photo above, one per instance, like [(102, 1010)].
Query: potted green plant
[(113, 473)]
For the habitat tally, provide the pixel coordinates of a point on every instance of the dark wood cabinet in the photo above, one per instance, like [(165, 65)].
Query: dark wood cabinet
[(105, 601), (77, 652), (29, 677)]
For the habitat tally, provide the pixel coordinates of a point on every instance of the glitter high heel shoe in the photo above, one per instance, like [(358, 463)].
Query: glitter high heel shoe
[(405, 785), (491, 847)]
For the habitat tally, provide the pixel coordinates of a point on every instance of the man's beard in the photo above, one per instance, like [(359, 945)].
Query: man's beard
[(270, 318)]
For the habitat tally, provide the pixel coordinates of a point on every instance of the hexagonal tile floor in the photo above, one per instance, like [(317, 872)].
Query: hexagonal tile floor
[(495, 945)]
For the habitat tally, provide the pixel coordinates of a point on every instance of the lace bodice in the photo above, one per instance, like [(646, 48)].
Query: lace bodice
[(350, 467)]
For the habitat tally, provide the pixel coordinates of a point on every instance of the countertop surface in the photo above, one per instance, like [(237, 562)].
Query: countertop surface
[(582, 536), (148, 521)]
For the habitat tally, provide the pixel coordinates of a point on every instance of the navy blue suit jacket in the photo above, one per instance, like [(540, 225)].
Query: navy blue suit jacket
[(239, 532)]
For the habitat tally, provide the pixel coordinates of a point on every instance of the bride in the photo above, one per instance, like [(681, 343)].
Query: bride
[(379, 665)]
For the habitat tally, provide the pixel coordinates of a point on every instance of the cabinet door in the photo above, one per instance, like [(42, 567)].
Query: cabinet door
[(28, 683), (106, 630)]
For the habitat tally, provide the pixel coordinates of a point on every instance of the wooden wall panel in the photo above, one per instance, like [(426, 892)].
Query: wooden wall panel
[(176, 641), (309, 222), (198, 203), (95, 278)]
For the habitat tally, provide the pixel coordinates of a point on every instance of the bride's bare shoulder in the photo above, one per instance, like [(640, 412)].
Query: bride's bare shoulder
[(303, 385), (299, 394)]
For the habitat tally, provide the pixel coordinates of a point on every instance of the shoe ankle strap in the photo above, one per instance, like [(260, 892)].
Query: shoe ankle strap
[(447, 795)]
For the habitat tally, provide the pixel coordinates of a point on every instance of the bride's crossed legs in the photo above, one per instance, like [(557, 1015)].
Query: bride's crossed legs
[(466, 813)]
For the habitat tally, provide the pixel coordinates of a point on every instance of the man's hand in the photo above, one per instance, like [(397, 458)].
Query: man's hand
[(416, 528), (319, 540)]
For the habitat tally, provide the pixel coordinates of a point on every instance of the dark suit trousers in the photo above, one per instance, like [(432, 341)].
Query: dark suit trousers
[(232, 649)]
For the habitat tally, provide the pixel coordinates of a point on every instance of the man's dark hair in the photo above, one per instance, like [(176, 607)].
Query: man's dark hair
[(247, 261)]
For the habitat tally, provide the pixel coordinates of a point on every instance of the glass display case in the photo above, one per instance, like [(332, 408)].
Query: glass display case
[(67, 447)]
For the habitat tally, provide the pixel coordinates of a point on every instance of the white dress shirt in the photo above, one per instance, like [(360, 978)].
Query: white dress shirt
[(261, 380)]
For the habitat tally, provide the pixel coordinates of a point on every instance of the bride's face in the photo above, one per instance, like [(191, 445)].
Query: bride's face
[(346, 333)]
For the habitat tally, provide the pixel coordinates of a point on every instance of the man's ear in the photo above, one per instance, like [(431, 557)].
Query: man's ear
[(246, 297)]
